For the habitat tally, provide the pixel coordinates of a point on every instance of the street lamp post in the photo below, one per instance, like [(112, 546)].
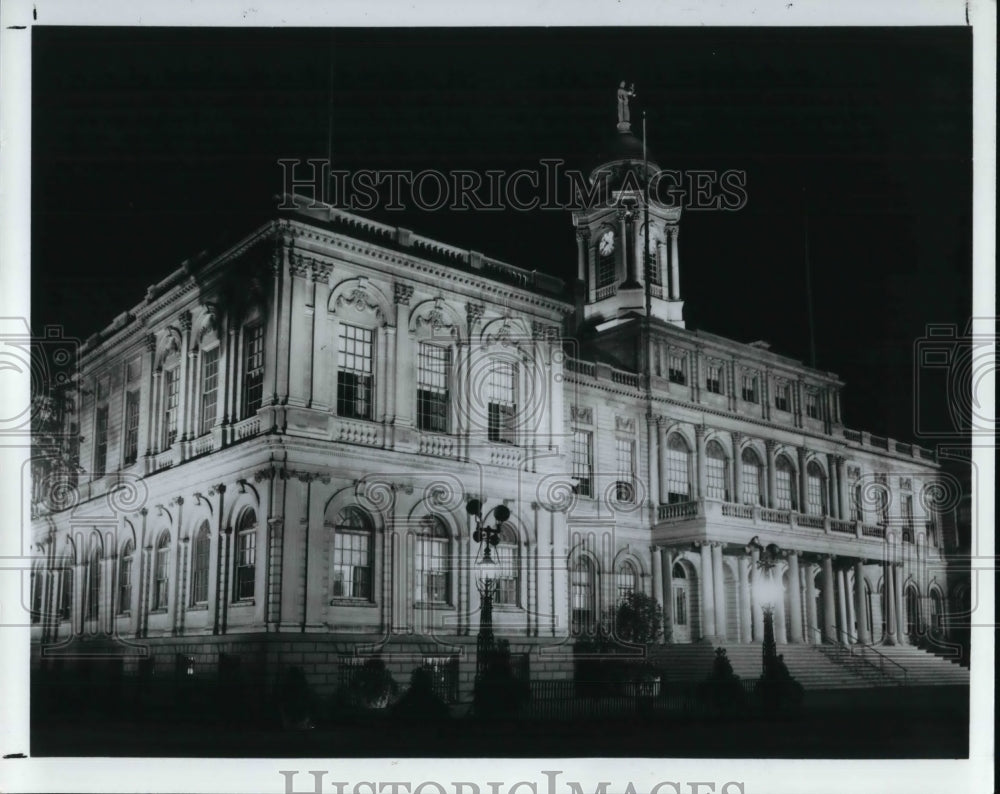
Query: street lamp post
[(768, 592), (487, 561)]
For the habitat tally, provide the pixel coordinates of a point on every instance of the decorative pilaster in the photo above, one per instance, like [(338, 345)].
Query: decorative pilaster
[(582, 239), (771, 446), (812, 634), (803, 456), (756, 612), (657, 565), (737, 468), (699, 435), (842, 502), (667, 566), (653, 474), (844, 634), (675, 272), (746, 631)]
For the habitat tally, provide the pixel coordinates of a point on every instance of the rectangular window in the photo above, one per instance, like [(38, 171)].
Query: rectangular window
[(812, 405), (209, 388), (653, 270), (716, 478), (713, 378), (675, 369), (606, 270), (855, 491), (433, 375), (101, 440), (131, 451), (253, 369), (583, 461), (678, 475), (815, 494), (171, 393), (354, 372), (781, 397), (907, 507), (352, 565), (749, 388), (882, 499), (502, 402), (246, 564), (66, 593), (625, 453)]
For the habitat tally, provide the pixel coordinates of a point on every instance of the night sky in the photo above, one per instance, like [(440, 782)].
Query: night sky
[(151, 145)]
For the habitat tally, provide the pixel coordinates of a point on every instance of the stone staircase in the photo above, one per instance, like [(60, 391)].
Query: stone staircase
[(815, 667)]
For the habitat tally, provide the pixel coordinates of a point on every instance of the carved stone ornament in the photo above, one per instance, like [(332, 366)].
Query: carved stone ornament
[(579, 413), (402, 294), (624, 424)]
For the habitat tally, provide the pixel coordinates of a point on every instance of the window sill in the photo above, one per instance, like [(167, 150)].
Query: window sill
[(125, 614), (158, 611), (198, 608), (432, 605), (352, 602), (243, 602), (509, 608)]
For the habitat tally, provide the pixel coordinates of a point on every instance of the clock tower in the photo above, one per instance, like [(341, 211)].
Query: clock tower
[(623, 270)]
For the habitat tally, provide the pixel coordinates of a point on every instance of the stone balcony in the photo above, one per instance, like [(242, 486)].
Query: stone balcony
[(727, 522)]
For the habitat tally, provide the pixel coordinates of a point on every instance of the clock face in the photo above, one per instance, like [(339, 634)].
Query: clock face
[(607, 243)]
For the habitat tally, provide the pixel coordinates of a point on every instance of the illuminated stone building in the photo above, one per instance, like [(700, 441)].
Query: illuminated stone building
[(280, 439)]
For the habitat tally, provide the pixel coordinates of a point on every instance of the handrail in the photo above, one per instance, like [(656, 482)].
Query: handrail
[(882, 657), (852, 645)]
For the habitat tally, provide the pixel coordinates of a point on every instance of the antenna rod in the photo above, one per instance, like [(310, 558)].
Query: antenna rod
[(809, 299)]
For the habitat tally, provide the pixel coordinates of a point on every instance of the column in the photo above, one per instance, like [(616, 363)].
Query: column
[(771, 447), (664, 484), (899, 580), (832, 487), (154, 413), (802, 479), (675, 275), (623, 247), (842, 609), (794, 597), (661, 261), (183, 372), (581, 254), (780, 632), (842, 502), (653, 477), (829, 616), (812, 634), (657, 580), (860, 609), (321, 391), (755, 610), (667, 566), (852, 617), (707, 593), (719, 582), (889, 604), (737, 469), (745, 606), (699, 435), (147, 390)]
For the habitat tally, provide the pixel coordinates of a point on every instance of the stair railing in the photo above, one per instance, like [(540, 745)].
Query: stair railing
[(853, 655)]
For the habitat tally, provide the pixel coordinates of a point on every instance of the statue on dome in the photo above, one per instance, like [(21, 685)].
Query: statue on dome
[(623, 97)]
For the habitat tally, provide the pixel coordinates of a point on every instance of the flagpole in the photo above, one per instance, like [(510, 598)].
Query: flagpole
[(645, 206)]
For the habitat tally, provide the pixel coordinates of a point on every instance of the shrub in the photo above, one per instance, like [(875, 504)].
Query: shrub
[(639, 619), (722, 693), (372, 688), (420, 703)]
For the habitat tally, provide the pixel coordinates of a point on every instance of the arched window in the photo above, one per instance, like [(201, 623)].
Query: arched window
[(625, 580), (432, 562), (815, 490), (784, 484), (583, 596), (936, 614), (125, 578), (199, 564), (246, 556), (94, 584), (161, 593), (678, 469), (751, 479), (508, 557), (351, 562), (912, 612), (856, 509), (716, 471)]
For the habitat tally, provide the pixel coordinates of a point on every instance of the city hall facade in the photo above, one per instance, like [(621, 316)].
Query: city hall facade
[(279, 441)]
